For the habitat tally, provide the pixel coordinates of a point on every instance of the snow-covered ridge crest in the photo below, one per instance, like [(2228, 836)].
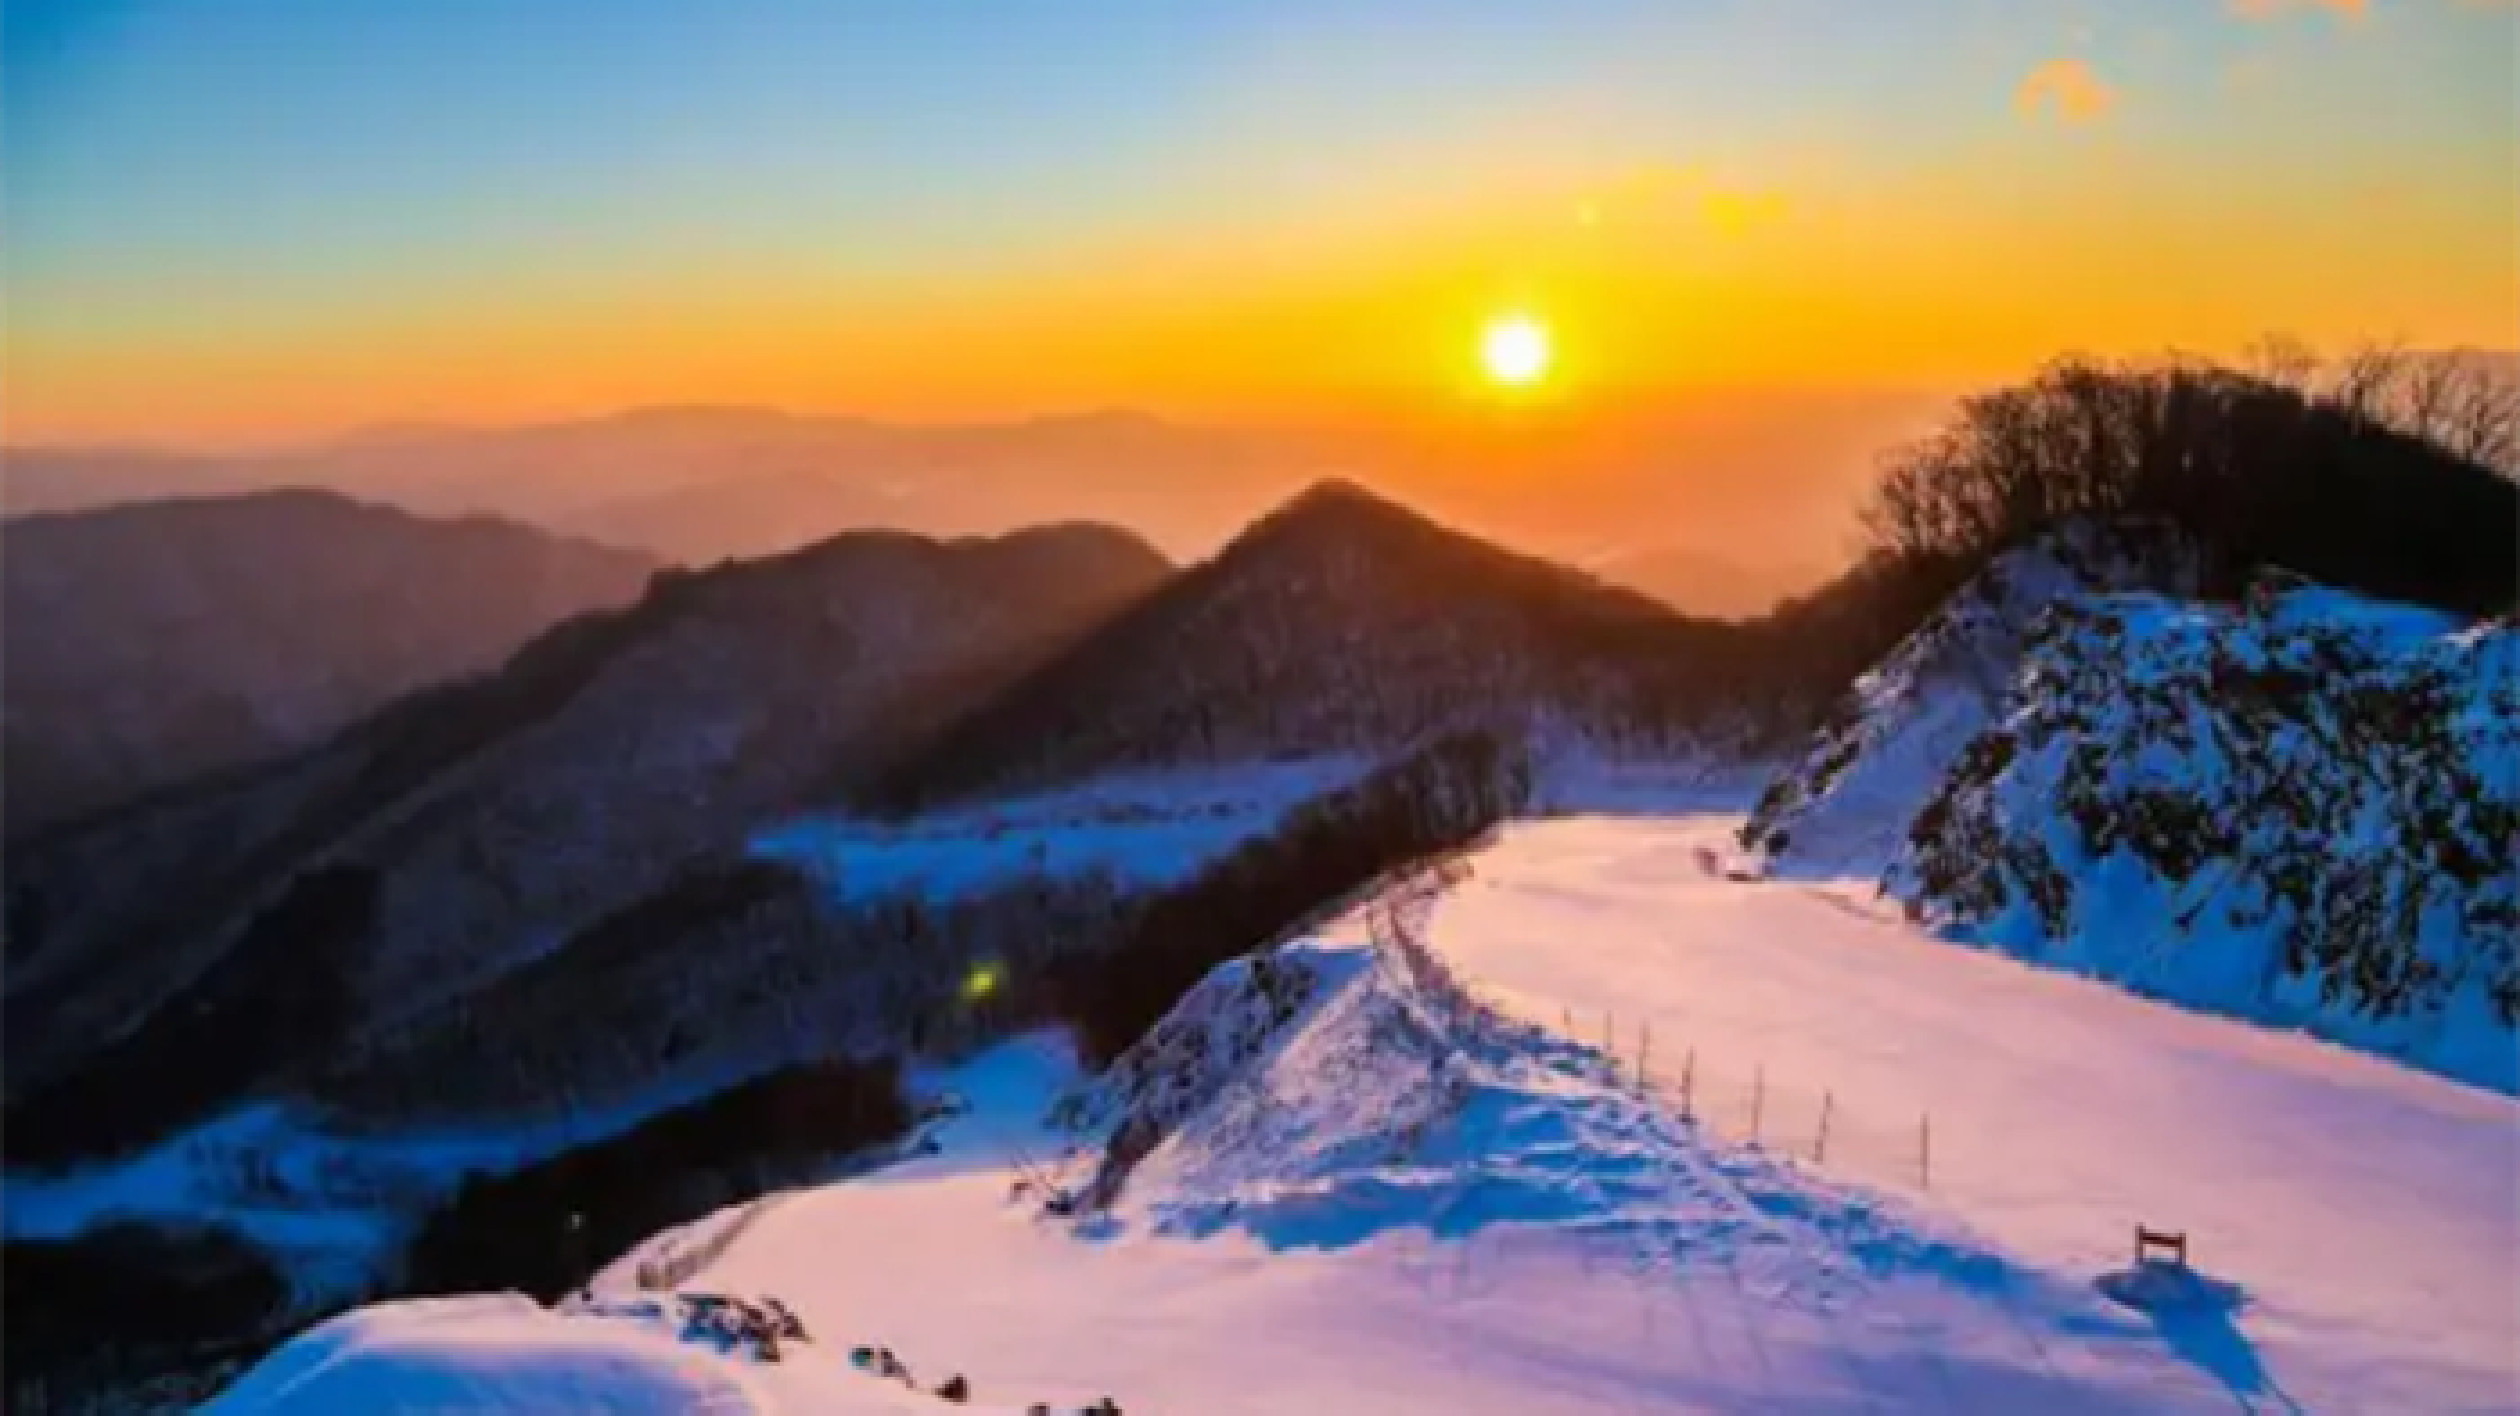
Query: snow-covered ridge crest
[(1233, 1018), (2302, 811), (1383, 1093), (1899, 727)]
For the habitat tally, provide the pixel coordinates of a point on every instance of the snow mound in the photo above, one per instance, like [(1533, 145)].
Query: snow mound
[(661, 1354), (2301, 812), (1217, 1029), (1846, 805), (2170, 1289), (1332, 1093)]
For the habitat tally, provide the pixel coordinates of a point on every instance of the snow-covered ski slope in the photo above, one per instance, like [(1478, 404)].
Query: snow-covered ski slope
[(1393, 1204), (2370, 1212)]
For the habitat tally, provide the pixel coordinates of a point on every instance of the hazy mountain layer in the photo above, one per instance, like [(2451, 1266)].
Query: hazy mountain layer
[(152, 643), (463, 830)]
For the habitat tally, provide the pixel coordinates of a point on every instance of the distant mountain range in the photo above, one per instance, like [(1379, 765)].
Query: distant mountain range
[(615, 768), (694, 485), (456, 832), (697, 485), (150, 643), (1703, 582)]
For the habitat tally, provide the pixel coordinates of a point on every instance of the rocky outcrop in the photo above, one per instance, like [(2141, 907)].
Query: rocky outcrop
[(1846, 804), (2303, 810)]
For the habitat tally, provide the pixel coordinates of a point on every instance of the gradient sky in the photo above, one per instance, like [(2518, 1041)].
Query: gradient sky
[(248, 218)]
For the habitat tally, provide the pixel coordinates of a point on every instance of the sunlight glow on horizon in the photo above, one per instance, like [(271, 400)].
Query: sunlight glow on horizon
[(276, 217)]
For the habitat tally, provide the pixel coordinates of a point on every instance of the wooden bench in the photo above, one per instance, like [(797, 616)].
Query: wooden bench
[(2150, 1243)]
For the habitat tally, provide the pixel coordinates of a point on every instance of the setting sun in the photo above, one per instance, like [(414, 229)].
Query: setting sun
[(1515, 350)]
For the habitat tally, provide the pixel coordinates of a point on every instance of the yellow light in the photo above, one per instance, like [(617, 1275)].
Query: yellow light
[(1515, 349), (982, 981)]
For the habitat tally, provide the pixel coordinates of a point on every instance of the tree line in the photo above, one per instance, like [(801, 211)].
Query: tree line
[(1438, 797), (2383, 481), (2384, 473)]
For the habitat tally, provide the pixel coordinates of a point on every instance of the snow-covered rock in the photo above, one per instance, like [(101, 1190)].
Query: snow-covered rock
[(1846, 805), (1217, 1030), (2302, 811)]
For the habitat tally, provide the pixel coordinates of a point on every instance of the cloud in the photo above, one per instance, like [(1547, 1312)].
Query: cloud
[(2269, 9), (2067, 89)]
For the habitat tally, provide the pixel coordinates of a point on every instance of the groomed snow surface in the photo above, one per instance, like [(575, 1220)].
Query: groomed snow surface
[(1402, 1204)]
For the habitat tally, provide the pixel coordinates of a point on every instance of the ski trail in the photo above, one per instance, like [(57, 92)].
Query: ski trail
[(1706, 1172)]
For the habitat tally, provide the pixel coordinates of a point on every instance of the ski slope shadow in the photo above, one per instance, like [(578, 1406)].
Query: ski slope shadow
[(2196, 1317), (2214, 1344), (1366, 1207), (1947, 1384)]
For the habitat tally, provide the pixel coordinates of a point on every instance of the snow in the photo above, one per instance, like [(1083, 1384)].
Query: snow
[(508, 1353), (345, 1199), (331, 1210), (2295, 812), (1414, 1184), (1579, 777), (2298, 814), (2370, 1212), (332, 1206), (1845, 807), (1148, 829), (1546, 1243)]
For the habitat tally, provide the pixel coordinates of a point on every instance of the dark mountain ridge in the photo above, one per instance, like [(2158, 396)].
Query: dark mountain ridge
[(482, 819), (698, 484), (150, 644), (484, 866), (1339, 623)]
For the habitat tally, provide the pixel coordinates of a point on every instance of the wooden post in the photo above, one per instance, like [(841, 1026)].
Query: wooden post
[(1758, 1100), (1925, 1148), (1688, 1086), (1644, 1054), (1820, 1142)]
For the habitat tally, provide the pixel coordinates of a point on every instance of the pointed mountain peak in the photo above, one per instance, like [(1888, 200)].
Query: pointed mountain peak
[(1337, 511), (1342, 496)]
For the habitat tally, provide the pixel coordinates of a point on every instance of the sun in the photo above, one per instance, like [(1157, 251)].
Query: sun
[(1515, 349)]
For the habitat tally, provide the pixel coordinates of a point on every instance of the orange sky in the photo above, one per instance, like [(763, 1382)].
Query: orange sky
[(2105, 189)]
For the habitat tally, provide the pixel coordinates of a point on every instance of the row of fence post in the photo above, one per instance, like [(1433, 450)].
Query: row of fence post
[(1641, 1076)]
